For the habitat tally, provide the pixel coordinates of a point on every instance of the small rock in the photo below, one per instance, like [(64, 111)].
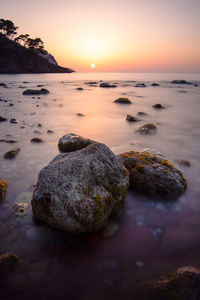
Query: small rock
[(11, 154), (107, 85), (72, 142), (141, 113), (158, 106), (195, 84), (8, 261), (11, 141), (79, 89), (123, 101), (14, 121), (130, 118), (50, 131), (20, 209), (148, 128), (91, 82), (36, 92), (155, 84), (3, 85), (140, 85), (39, 125), (11, 104), (183, 162), (3, 187), (80, 115), (2, 119), (180, 82), (40, 85), (36, 140), (37, 132)]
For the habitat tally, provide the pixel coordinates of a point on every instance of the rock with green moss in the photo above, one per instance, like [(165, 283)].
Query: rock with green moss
[(72, 142), (79, 190), (153, 175)]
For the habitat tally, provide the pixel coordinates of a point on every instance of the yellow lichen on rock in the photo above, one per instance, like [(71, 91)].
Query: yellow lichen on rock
[(3, 187)]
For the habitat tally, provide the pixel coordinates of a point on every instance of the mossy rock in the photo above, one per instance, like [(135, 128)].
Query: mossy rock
[(152, 175)]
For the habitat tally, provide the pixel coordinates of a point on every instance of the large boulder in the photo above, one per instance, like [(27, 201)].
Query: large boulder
[(153, 175), (72, 142), (78, 191)]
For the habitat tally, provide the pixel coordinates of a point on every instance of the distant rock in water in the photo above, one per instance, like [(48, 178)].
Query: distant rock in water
[(78, 191), (148, 128), (181, 82), (158, 106), (2, 119), (79, 89), (11, 154), (107, 85), (36, 92), (14, 121), (130, 118), (37, 140), (142, 113), (140, 85), (72, 142), (183, 162), (15, 58), (155, 84), (123, 101), (3, 85), (152, 175)]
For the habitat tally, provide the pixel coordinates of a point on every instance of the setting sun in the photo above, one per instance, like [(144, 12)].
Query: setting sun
[(92, 66)]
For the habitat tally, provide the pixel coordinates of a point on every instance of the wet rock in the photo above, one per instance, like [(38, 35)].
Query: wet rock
[(79, 89), (72, 142), (123, 101), (180, 82), (158, 106), (11, 141), (140, 85), (152, 175), (11, 104), (2, 119), (11, 154), (37, 140), (141, 113), (107, 85), (91, 82), (40, 85), (20, 209), (36, 92), (148, 128), (110, 229), (195, 84), (130, 118), (183, 162), (14, 121), (78, 191), (155, 84), (80, 115), (3, 187), (3, 85), (8, 261), (39, 125), (50, 131)]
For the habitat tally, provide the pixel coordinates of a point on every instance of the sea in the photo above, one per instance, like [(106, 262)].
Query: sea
[(147, 238)]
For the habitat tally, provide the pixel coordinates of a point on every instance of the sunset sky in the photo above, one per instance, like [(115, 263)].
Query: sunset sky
[(115, 35)]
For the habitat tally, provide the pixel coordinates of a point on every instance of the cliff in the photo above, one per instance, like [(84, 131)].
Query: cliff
[(15, 58)]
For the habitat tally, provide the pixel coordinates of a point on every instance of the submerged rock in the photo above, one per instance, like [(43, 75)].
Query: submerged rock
[(2, 119), (79, 89), (123, 101), (8, 261), (155, 84), (180, 82), (148, 128), (72, 142), (37, 140), (140, 85), (158, 106), (3, 187), (78, 191), (183, 162), (153, 175), (130, 118), (3, 85), (14, 121), (36, 92), (11, 154), (107, 85), (142, 113), (80, 115), (20, 209)]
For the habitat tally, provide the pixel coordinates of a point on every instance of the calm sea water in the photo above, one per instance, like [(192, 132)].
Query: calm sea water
[(149, 238)]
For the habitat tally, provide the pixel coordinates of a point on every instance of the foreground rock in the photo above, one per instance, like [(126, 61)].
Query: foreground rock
[(130, 118), (11, 154), (123, 101), (78, 191), (180, 82), (8, 261), (152, 175), (2, 119), (36, 92), (72, 142), (3, 187), (148, 128)]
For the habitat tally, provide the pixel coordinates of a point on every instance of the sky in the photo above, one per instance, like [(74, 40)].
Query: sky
[(115, 35)]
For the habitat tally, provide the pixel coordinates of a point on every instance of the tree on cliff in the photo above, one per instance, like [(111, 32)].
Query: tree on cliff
[(34, 44), (8, 28), (22, 39)]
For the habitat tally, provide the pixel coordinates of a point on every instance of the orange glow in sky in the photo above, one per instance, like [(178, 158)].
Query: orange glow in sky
[(114, 35)]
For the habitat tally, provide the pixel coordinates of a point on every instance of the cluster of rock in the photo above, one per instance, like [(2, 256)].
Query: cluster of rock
[(81, 188)]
